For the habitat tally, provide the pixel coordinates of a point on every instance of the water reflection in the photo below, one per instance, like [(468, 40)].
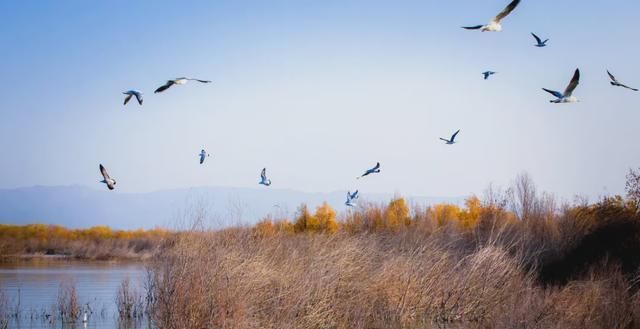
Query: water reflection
[(32, 289)]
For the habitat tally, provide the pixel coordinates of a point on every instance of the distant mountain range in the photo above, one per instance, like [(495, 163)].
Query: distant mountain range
[(79, 206)]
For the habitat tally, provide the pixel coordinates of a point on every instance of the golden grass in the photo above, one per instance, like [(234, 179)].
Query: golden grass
[(486, 265), (235, 279)]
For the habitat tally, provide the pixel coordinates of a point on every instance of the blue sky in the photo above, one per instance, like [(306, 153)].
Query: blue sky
[(318, 91)]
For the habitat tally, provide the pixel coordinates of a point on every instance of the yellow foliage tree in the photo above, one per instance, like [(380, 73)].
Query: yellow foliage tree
[(397, 214), (444, 213), (304, 219), (471, 214), (326, 219)]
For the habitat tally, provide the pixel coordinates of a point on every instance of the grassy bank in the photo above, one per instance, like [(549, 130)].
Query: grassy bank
[(513, 259), (96, 243)]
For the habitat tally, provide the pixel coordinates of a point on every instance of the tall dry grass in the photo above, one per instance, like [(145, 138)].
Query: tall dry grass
[(5, 312), (233, 279), (515, 259), (68, 305), (129, 301)]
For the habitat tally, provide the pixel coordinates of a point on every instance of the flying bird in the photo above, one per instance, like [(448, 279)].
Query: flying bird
[(567, 96), (487, 74), (539, 42), (494, 25), (177, 81), (131, 93), (350, 198), (106, 179), (373, 170), (263, 178), (203, 155), (453, 138), (615, 82)]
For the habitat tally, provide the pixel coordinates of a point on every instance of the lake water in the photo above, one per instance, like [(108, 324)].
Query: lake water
[(34, 285)]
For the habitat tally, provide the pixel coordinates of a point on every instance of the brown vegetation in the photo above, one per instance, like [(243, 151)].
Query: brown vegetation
[(129, 302), (512, 260), (68, 306), (4, 310), (98, 242)]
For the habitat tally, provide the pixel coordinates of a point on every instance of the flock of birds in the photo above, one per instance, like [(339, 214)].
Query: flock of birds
[(493, 26)]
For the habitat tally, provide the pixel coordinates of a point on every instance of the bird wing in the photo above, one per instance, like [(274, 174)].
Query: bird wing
[(203, 81), (537, 38), (506, 11), (377, 166), (611, 76), (139, 97), (453, 137), (573, 84), (165, 86), (127, 98), (557, 94), (104, 173), (625, 86), (446, 140), (476, 27), (263, 174)]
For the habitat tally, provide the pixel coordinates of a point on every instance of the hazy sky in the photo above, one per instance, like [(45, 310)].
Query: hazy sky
[(318, 91)]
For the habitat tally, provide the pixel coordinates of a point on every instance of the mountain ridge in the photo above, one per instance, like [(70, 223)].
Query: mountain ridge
[(78, 206)]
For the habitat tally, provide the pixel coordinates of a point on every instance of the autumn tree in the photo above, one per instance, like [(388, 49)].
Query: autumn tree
[(471, 214), (443, 214), (304, 219), (397, 214), (326, 219)]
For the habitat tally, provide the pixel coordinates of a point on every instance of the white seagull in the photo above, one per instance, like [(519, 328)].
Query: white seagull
[(177, 81), (203, 155), (615, 82), (567, 96), (263, 178), (131, 93), (539, 42), (373, 170), (106, 179), (494, 25), (453, 138), (350, 198), (487, 74)]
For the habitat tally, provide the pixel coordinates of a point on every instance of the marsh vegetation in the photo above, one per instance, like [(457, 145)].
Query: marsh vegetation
[(512, 258)]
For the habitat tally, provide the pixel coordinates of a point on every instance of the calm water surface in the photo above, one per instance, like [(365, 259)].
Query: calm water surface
[(34, 287)]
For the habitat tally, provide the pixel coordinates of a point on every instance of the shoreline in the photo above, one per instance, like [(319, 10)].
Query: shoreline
[(61, 258)]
